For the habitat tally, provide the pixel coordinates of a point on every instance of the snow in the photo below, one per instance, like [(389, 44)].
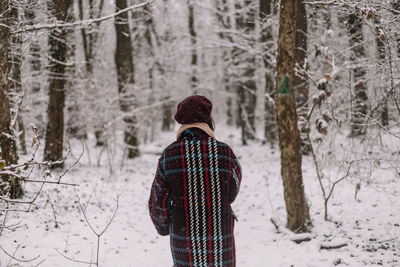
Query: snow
[(370, 226)]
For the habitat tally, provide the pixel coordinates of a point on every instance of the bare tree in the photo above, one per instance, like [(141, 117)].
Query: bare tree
[(381, 57), (360, 107), (90, 36), (289, 137), (267, 39), (7, 140), (15, 77), (193, 42), (246, 84), (35, 65), (125, 74), (300, 79), (53, 151)]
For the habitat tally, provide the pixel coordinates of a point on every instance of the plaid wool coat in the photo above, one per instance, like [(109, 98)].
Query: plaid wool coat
[(197, 179)]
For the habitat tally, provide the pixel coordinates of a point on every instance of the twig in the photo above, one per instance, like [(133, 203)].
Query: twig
[(74, 260), (16, 259)]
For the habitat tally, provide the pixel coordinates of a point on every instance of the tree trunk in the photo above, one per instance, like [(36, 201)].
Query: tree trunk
[(360, 107), (300, 80), (35, 66), (247, 86), (16, 86), (125, 76), (90, 35), (383, 103), (7, 141), (396, 8), (53, 150), (289, 137), (270, 127), (193, 42)]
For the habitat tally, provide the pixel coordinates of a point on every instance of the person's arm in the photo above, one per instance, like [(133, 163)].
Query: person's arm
[(159, 202), (235, 178)]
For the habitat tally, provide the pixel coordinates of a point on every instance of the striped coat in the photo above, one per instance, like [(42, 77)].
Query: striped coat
[(197, 179)]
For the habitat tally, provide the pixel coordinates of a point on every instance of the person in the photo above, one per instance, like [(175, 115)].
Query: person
[(196, 181)]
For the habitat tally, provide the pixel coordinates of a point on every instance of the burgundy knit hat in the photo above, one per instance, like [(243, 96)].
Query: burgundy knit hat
[(195, 108)]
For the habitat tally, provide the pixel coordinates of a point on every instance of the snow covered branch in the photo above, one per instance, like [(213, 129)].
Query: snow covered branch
[(83, 23)]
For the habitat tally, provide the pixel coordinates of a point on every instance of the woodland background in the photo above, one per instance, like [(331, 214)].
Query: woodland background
[(104, 78)]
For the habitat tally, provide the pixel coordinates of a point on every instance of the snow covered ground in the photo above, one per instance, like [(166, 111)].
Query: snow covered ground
[(56, 228)]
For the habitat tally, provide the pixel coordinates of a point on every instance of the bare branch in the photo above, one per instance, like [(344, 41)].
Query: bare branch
[(83, 23)]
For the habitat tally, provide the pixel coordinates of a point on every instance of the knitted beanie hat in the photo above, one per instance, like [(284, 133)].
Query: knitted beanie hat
[(195, 108)]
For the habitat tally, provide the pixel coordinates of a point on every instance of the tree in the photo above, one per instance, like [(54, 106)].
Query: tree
[(289, 137), (381, 56), (53, 150), (7, 140), (35, 66), (246, 83), (90, 36), (15, 74), (193, 41), (125, 78), (267, 41), (300, 79), (360, 107)]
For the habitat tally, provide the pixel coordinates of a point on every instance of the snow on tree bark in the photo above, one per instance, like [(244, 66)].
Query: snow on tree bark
[(360, 107), (300, 79), (7, 140), (125, 78), (270, 127), (289, 137), (53, 150), (246, 84)]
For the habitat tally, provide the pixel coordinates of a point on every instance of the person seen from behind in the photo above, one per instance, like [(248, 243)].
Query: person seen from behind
[(196, 181)]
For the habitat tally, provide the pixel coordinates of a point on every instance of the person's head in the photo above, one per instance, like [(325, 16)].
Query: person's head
[(195, 108)]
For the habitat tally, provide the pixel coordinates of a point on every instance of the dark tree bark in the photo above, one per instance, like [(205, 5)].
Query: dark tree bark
[(300, 79), (247, 87), (125, 75), (270, 128), (289, 137), (360, 105), (53, 150), (168, 106), (193, 41), (7, 141)]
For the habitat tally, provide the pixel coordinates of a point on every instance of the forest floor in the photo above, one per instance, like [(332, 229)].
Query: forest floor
[(56, 229)]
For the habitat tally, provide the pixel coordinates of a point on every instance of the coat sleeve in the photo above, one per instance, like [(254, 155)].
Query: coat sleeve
[(235, 178), (160, 200)]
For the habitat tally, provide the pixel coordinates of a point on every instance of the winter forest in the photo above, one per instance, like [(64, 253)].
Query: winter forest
[(306, 92)]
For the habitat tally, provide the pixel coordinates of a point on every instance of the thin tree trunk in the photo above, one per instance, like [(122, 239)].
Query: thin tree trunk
[(193, 41), (7, 141), (359, 74), (270, 127), (396, 7), (380, 43), (300, 80), (125, 75), (289, 137), (90, 37), (15, 74), (53, 150), (35, 65), (247, 86)]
